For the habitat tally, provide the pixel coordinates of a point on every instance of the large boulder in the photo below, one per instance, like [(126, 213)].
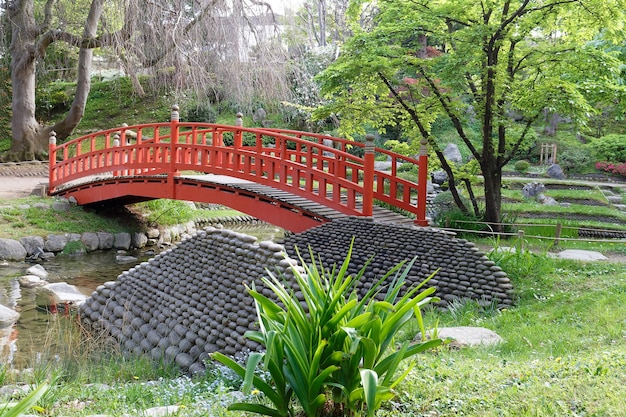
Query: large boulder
[(105, 240), (91, 241), (139, 240), (11, 250), (33, 244), (555, 171), (122, 240), (56, 243), (452, 153)]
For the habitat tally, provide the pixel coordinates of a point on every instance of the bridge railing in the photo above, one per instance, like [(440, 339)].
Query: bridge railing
[(318, 167), (388, 187)]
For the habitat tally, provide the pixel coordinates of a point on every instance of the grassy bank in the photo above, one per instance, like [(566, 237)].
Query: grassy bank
[(36, 216), (564, 354)]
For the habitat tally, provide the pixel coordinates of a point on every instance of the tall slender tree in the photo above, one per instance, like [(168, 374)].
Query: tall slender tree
[(487, 63)]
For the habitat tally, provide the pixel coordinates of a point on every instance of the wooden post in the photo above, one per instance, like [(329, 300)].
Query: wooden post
[(368, 176), (557, 233), (422, 184)]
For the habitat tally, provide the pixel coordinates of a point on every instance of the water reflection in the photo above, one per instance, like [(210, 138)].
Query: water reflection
[(30, 337)]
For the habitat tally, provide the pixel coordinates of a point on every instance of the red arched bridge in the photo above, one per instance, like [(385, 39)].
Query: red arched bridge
[(295, 180)]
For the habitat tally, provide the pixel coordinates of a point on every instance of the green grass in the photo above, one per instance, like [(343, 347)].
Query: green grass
[(165, 212), (34, 216), (564, 354)]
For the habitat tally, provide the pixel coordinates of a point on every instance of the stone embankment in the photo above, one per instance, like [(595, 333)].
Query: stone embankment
[(38, 247), (191, 300)]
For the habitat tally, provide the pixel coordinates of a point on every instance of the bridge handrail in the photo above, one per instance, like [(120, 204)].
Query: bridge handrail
[(311, 162)]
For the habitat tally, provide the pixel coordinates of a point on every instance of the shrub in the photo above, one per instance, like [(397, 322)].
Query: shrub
[(522, 166), (618, 169), (333, 352), (610, 148), (444, 203), (575, 160), (200, 112)]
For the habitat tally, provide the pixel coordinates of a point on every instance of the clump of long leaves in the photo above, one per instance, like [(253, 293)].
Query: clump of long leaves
[(28, 402), (333, 351)]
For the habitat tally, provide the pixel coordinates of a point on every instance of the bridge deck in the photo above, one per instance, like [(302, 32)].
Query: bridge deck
[(206, 181)]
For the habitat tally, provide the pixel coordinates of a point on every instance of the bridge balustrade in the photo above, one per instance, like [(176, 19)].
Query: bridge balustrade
[(318, 167)]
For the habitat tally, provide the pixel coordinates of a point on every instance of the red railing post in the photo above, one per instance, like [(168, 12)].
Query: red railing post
[(175, 117), (52, 159), (368, 176), (238, 141), (422, 182)]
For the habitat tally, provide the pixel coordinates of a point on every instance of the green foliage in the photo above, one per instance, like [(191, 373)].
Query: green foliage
[(74, 247), (411, 67), (18, 409), (522, 166), (333, 351), (446, 207), (166, 212), (611, 148), (202, 112), (575, 160)]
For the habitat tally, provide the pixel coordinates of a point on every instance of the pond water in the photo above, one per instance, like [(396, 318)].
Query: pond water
[(30, 338)]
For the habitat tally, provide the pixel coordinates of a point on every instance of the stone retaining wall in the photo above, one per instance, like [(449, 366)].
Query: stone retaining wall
[(191, 300), (38, 247)]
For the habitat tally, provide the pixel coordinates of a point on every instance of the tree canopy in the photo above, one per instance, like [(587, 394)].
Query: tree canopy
[(491, 68)]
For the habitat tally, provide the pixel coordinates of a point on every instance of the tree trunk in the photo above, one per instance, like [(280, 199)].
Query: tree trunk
[(27, 143), (492, 178), (29, 137)]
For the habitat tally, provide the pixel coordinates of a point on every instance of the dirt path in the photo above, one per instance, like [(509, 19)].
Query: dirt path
[(20, 179)]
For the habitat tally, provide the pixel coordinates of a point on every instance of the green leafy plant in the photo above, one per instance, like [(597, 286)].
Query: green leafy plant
[(610, 148), (522, 165), (332, 351), (19, 408)]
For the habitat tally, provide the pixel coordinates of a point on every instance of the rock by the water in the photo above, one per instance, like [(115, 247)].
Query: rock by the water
[(125, 259), (32, 244), (11, 250), (139, 240), (8, 316), (62, 205), (105, 240), (59, 293), (38, 270), (31, 281), (56, 243), (122, 240), (91, 241)]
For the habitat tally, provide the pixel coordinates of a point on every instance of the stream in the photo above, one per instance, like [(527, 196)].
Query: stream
[(31, 339)]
